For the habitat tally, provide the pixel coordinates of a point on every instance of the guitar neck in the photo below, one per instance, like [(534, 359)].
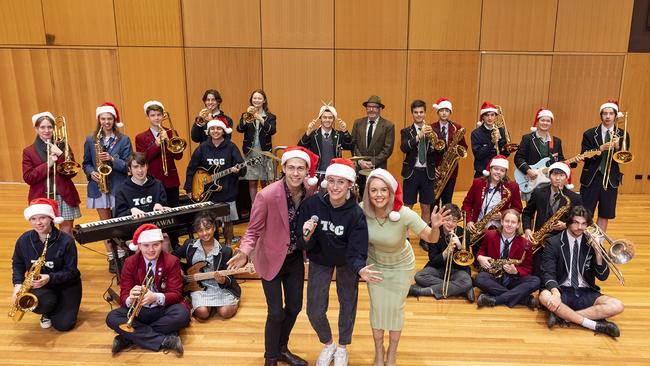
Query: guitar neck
[(586, 154), (223, 173), (208, 275)]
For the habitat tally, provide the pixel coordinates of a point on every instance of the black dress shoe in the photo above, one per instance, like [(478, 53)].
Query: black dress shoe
[(270, 362), (486, 300), (414, 290), (470, 295), (172, 342), (607, 327), (553, 320), (531, 302), (290, 358), (120, 343)]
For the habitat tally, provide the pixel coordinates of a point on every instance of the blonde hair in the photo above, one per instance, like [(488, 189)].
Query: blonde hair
[(512, 211), (368, 206)]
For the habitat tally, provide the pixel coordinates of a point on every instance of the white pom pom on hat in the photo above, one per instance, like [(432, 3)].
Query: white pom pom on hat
[(43, 206), (541, 112), (111, 108), (309, 157), (499, 160), (560, 165), (388, 178)]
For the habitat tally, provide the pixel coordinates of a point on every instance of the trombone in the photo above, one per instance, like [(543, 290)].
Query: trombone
[(60, 135), (509, 147), (623, 156), (175, 144), (461, 257), (620, 251)]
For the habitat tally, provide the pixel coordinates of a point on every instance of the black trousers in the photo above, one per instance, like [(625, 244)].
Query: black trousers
[(446, 195), (514, 292), (60, 304), (280, 317), (152, 325)]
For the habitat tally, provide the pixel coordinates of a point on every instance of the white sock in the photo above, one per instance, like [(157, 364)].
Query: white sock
[(120, 253), (110, 256), (588, 323)]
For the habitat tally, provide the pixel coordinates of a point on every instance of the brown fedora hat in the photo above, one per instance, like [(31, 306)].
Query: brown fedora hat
[(374, 99)]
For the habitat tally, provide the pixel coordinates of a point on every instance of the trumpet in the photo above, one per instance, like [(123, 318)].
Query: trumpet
[(134, 310), (203, 118), (620, 251), (60, 135), (509, 147)]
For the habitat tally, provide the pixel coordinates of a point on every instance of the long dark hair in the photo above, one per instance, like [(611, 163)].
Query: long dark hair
[(216, 95), (265, 105)]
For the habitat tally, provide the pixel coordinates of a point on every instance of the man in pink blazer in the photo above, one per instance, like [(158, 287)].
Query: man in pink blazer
[(271, 236)]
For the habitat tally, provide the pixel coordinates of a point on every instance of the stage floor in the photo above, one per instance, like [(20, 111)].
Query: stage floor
[(450, 332)]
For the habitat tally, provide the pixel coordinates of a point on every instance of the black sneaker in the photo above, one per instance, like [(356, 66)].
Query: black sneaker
[(414, 291), (470, 295), (553, 320), (607, 327), (486, 300), (120, 343), (172, 343)]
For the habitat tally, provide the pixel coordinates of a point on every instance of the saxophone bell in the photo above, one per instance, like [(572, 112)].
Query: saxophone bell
[(25, 300)]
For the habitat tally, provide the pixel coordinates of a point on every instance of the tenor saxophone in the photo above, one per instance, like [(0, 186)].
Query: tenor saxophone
[(544, 230), (102, 168), (481, 225), (449, 162), (25, 300)]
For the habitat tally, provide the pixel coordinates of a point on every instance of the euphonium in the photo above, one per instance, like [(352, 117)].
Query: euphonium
[(68, 167), (481, 225), (102, 168), (620, 251), (175, 144), (25, 300), (449, 162), (544, 230), (134, 310)]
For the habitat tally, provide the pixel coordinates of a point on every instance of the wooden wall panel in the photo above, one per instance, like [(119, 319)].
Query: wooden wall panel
[(634, 100), (21, 22), (80, 22), (516, 25), (371, 24), (148, 22), (444, 24), (234, 72), (360, 74), (149, 73), (25, 89), (588, 26), (83, 80), (296, 81), (209, 23), (579, 85), (298, 23), (449, 74)]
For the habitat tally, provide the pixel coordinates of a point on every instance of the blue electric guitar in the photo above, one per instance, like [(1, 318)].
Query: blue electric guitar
[(526, 185)]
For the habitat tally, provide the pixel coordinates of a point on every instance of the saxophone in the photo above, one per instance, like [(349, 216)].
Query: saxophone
[(496, 266), (542, 233), (481, 225), (25, 300), (449, 162), (102, 168)]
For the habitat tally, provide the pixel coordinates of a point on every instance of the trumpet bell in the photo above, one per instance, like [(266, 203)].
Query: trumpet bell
[(623, 157), (176, 145), (621, 251), (127, 327)]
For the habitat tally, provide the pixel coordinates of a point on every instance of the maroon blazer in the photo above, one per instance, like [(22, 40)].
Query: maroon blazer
[(491, 247), (35, 175), (145, 142), (168, 278), (474, 199), (453, 127)]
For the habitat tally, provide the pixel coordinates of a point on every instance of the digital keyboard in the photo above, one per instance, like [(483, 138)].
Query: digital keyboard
[(172, 220)]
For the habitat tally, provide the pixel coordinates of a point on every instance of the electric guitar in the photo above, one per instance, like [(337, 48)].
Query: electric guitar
[(526, 184), (195, 276), (205, 181)]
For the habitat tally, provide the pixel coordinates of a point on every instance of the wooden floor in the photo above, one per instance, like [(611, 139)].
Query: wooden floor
[(451, 332)]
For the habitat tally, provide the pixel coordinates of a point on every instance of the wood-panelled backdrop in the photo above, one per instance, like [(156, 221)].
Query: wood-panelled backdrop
[(68, 56)]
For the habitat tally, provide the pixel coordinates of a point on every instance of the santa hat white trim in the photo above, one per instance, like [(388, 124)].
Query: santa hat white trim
[(39, 115), (565, 168), (612, 105), (443, 104), (218, 123), (540, 114), (341, 170), (152, 102), (327, 108), (489, 109), (108, 109), (147, 236), (42, 209), (499, 162), (296, 154)]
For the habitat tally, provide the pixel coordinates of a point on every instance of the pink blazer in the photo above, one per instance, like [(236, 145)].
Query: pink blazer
[(268, 230)]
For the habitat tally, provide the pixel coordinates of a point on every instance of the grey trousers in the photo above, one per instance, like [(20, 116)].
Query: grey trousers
[(347, 289), (459, 283)]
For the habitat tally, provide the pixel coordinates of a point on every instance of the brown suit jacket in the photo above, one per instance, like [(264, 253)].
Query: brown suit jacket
[(381, 146)]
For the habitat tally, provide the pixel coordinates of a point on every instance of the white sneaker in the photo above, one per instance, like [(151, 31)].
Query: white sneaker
[(45, 322), (326, 355), (341, 357)]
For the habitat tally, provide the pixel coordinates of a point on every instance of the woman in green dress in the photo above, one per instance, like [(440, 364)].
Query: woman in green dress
[(391, 254)]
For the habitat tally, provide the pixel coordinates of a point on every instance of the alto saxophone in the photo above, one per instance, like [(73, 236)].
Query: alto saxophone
[(449, 162), (25, 300), (542, 233), (102, 168), (496, 266), (481, 225)]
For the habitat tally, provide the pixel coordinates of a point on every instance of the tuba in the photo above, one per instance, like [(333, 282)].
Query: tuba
[(620, 251), (134, 310), (449, 162), (68, 167), (25, 300), (509, 147), (102, 168), (481, 225), (544, 230)]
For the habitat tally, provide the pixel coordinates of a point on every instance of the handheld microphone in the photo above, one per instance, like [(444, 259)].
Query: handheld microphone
[(314, 218)]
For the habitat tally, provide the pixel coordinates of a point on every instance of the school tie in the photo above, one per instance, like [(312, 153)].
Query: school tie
[(327, 135), (422, 149), (574, 265), (443, 130), (506, 249)]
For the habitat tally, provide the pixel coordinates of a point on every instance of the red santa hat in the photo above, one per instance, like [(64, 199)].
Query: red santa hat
[(145, 233), (565, 168), (485, 108), (541, 112), (111, 108), (442, 103), (327, 108), (309, 157), (340, 167), (395, 186), (152, 102), (614, 105), (39, 115), (218, 123), (43, 206), (498, 160)]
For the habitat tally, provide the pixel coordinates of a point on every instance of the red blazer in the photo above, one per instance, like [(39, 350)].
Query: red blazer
[(145, 142), (491, 247), (453, 127), (35, 175), (474, 199), (168, 278)]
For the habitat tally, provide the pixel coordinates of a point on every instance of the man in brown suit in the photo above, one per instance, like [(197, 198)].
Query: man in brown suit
[(372, 136)]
